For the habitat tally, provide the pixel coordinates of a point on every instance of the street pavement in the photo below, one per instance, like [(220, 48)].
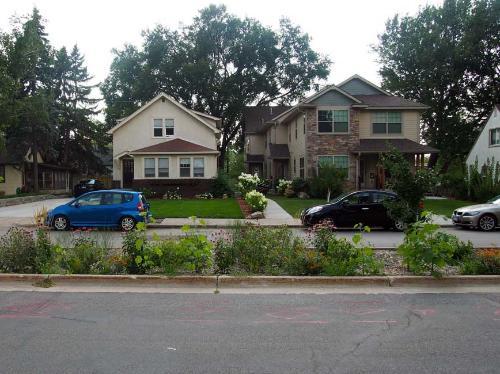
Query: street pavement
[(376, 238), (209, 333)]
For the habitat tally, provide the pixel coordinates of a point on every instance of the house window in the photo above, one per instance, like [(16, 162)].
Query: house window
[(290, 134), (163, 167), (185, 167), (301, 167), (340, 162), (386, 123), (495, 136), (304, 125), (199, 167), (333, 121), (149, 168), (157, 128), (2, 173), (294, 166), (169, 127), (296, 127)]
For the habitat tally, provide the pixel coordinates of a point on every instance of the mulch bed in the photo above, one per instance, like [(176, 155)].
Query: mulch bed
[(245, 208)]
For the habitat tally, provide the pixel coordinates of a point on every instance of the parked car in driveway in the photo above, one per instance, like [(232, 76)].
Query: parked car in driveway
[(87, 185), (347, 210), (111, 208), (486, 216)]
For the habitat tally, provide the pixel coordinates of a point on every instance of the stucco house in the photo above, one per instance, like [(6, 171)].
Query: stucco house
[(17, 174), (163, 146), (487, 145), (350, 125)]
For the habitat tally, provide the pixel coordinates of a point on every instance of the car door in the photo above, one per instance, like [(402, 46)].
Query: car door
[(112, 206), (378, 211), (86, 210), (354, 209)]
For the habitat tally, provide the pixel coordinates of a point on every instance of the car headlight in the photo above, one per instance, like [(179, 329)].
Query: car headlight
[(315, 209), (473, 213)]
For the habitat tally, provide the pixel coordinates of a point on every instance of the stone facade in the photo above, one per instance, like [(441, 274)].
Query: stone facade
[(318, 144)]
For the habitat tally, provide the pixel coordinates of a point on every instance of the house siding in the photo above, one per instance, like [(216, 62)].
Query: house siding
[(13, 180), (410, 126), (297, 147), (332, 144), (358, 87), (482, 151), (332, 98)]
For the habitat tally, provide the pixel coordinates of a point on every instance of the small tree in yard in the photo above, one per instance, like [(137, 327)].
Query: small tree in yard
[(410, 186), (329, 181)]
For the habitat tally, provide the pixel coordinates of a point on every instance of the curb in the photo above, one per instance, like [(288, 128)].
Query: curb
[(227, 281)]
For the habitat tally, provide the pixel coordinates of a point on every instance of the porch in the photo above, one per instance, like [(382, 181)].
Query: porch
[(370, 172)]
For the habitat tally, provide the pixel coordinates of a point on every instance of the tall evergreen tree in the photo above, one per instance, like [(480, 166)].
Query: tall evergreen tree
[(79, 134)]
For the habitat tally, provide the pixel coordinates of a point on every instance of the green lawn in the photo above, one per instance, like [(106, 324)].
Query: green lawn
[(294, 205), (445, 207), (215, 208)]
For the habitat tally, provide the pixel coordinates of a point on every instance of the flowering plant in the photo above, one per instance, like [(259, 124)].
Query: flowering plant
[(283, 185), (256, 200), (247, 183)]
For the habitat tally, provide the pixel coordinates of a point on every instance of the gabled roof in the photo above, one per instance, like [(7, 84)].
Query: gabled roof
[(175, 146), (330, 88), (356, 76), (195, 115), (384, 101), (495, 107), (256, 116)]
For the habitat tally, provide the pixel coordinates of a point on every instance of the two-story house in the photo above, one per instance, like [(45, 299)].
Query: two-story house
[(349, 125), (164, 145)]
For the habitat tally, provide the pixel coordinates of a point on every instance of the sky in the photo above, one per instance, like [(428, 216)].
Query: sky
[(343, 30)]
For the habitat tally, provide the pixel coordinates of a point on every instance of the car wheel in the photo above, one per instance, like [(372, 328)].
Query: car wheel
[(400, 225), (61, 223), (487, 222), (127, 223)]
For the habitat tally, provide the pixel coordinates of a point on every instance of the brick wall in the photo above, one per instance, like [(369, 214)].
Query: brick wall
[(331, 144), (187, 187)]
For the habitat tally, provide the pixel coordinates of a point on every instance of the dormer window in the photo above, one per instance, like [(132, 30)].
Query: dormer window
[(163, 127)]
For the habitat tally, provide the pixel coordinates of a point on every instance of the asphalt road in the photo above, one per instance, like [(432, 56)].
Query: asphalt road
[(203, 333), (377, 238)]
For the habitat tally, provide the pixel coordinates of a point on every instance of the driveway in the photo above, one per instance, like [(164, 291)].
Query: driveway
[(26, 211)]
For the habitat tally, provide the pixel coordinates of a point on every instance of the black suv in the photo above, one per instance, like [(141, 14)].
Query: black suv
[(87, 186)]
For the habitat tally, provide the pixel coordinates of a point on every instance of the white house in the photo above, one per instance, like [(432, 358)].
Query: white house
[(487, 145), (164, 145)]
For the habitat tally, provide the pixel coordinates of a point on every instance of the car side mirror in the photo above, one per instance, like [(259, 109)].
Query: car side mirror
[(76, 205)]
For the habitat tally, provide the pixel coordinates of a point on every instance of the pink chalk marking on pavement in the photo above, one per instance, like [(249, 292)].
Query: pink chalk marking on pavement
[(375, 321), (296, 322), (369, 312), (200, 320), (497, 312)]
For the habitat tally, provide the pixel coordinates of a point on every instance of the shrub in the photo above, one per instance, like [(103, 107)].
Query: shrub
[(191, 253), (283, 185), (149, 194), (410, 186), (426, 250), (328, 182), (483, 184), (221, 185), (20, 252), (84, 257), (173, 194), (204, 196), (342, 257), (484, 262), (299, 185), (261, 250), (247, 183), (256, 200)]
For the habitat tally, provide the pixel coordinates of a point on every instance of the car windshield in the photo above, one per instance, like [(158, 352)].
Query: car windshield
[(494, 200), (340, 197)]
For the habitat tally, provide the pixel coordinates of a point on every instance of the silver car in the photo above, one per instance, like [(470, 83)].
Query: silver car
[(483, 216)]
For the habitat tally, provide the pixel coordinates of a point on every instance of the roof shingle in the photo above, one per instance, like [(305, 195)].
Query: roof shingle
[(255, 117), (384, 145), (175, 146), (388, 101)]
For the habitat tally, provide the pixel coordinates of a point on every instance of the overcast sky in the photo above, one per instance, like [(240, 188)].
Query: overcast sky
[(342, 29)]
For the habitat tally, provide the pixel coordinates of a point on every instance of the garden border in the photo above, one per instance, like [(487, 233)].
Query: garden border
[(227, 281)]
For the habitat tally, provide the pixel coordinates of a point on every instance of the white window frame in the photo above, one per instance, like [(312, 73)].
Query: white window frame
[(490, 137), (386, 133), (302, 168), (154, 168), (193, 161), (333, 109), (158, 167), (163, 127), (333, 163), (190, 167)]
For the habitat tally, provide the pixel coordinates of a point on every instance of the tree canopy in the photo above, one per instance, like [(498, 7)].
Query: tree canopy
[(447, 57), (218, 64), (45, 103)]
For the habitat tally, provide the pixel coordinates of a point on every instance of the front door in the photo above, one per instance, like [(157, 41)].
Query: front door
[(128, 172)]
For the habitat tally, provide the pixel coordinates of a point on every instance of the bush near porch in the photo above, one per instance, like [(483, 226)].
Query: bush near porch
[(213, 208)]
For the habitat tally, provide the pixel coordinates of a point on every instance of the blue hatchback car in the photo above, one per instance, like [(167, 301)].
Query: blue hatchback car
[(110, 208)]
